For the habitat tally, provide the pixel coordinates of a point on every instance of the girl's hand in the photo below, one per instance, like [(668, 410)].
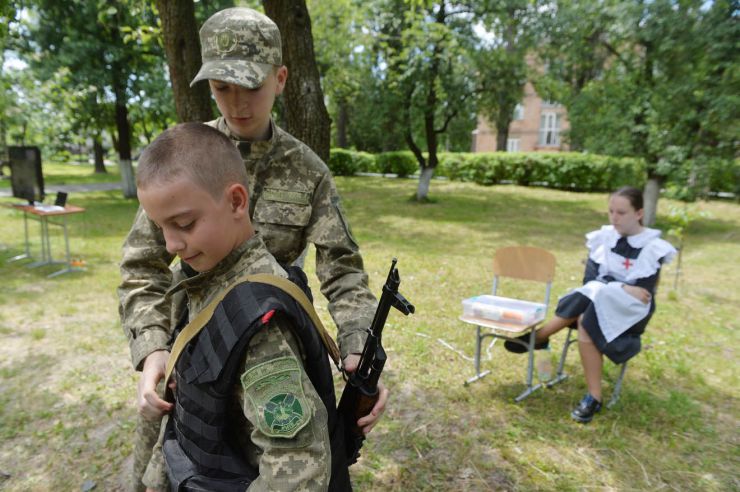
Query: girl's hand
[(638, 293)]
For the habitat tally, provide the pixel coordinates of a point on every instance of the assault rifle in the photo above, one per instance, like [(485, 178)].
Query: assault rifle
[(361, 392)]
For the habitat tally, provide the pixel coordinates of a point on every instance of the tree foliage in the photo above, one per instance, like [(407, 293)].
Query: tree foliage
[(501, 62), (650, 79)]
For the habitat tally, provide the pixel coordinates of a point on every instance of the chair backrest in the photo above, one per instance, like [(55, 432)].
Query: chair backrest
[(525, 263)]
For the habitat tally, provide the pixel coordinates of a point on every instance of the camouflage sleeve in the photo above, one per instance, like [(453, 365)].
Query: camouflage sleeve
[(288, 420), (340, 268), (145, 278)]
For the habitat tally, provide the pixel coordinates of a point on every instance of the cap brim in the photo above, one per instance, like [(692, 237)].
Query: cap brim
[(240, 72)]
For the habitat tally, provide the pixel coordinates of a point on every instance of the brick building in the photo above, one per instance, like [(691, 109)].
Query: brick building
[(537, 125)]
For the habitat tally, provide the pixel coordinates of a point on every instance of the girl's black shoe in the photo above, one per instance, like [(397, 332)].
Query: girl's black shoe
[(520, 349), (586, 409)]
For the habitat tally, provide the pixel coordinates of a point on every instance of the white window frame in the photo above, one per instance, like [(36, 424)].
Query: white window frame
[(518, 113), (549, 129), (512, 144)]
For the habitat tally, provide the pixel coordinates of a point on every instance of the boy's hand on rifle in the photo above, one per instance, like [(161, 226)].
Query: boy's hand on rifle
[(150, 404), (369, 421)]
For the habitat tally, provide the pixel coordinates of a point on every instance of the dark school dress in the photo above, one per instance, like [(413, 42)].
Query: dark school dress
[(607, 248)]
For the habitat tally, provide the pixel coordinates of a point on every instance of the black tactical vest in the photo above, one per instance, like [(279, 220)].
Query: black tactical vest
[(200, 448)]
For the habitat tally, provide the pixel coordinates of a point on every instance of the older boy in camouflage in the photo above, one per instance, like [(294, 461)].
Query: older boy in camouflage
[(292, 201)]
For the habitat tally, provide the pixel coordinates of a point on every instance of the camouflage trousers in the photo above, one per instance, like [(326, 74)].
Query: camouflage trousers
[(147, 433)]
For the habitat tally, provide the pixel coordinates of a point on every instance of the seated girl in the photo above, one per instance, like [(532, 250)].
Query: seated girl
[(617, 298)]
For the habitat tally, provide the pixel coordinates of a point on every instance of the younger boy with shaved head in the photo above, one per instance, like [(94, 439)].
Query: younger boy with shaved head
[(254, 396)]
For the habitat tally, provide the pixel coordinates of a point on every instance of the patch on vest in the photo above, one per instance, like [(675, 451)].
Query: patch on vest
[(274, 388)]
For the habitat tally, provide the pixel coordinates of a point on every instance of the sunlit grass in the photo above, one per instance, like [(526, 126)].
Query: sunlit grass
[(56, 173), (66, 398)]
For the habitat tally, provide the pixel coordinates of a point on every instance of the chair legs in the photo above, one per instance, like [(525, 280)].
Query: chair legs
[(530, 365), (530, 369), (617, 387), (476, 362), (561, 376)]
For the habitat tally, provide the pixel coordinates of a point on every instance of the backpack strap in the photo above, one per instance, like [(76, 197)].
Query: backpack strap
[(201, 319)]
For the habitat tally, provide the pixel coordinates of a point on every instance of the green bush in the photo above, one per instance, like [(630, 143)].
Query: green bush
[(342, 162), (450, 164), (563, 170), (402, 163), (365, 162), (724, 175), (566, 170), (346, 162)]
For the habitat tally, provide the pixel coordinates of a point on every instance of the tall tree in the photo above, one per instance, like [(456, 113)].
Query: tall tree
[(426, 45), (342, 59), (91, 40), (573, 52), (182, 46), (306, 116), (653, 90), (501, 61)]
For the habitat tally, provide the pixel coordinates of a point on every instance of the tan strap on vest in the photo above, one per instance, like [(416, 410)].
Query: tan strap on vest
[(194, 327)]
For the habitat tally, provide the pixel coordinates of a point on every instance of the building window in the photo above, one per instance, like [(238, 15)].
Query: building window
[(518, 113), (512, 145), (549, 130), (550, 104)]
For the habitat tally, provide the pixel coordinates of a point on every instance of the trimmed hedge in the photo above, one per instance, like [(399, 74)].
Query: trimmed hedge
[(725, 176), (402, 162), (366, 162), (342, 162), (566, 170), (563, 170)]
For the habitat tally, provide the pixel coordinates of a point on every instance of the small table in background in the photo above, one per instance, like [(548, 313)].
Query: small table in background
[(44, 215)]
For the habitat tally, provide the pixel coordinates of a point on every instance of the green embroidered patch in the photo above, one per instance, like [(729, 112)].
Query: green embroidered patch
[(274, 388), (286, 196)]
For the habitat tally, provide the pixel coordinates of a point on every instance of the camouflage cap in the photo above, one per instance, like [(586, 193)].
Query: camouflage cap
[(239, 46)]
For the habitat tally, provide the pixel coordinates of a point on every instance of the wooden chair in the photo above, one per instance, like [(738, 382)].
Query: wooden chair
[(520, 263)]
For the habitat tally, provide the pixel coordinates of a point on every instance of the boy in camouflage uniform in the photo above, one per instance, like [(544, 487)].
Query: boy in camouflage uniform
[(272, 431), (293, 201)]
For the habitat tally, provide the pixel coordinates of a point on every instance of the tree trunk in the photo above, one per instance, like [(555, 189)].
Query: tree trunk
[(98, 155), (650, 195), (425, 180), (342, 123), (123, 129), (502, 135), (306, 116), (3, 148), (182, 47)]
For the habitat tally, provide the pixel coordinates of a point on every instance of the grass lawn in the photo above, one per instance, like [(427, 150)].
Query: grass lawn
[(63, 174), (66, 384)]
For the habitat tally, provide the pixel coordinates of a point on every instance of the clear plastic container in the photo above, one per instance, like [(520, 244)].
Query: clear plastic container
[(503, 309)]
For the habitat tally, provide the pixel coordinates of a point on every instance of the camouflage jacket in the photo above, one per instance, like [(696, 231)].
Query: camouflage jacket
[(301, 462), (293, 201)]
